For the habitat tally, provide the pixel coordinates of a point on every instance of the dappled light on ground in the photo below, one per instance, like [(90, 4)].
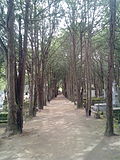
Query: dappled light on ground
[(61, 132)]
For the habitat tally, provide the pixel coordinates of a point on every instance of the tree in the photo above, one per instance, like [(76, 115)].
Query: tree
[(12, 118), (16, 77), (76, 59), (109, 124)]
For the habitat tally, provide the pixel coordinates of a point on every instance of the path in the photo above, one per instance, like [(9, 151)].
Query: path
[(60, 132)]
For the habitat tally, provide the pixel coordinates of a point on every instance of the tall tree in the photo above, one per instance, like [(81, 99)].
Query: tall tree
[(22, 62), (12, 119), (109, 124)]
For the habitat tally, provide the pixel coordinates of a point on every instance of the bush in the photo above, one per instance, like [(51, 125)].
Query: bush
[(116, 115), (3, 117), (96, 100)]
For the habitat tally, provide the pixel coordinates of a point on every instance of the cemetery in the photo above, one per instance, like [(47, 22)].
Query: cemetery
[(100, 108), (59, 79)]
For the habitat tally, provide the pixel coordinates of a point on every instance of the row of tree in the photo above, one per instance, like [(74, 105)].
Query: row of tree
[(37, 53), (90, 52), (28, 29)]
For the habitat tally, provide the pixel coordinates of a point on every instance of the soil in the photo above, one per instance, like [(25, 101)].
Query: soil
[(61, 132)]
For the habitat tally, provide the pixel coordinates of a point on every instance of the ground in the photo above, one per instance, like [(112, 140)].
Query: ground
[(61, 132)]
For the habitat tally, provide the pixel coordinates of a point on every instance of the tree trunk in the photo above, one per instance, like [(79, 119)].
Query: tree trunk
[(12, 114), (109, 112), (21, 76), (32, 75)]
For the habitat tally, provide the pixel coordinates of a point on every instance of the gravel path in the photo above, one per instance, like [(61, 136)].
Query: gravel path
[(61, 132)]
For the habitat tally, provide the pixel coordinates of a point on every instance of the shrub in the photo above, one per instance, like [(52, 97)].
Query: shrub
[(96, 100), (3, 117)]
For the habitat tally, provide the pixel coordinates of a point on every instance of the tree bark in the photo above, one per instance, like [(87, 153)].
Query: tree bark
[(109, 112), (12, 114), (22, 62)]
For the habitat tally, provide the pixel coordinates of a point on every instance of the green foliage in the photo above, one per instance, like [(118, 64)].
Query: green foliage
[(116, 115), (3, 117), (96, 100), (2, 84), (2, 76), (57, 59)]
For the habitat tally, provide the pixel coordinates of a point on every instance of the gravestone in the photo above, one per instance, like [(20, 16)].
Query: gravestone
[(2, 97), (115, 95), (93, 93)]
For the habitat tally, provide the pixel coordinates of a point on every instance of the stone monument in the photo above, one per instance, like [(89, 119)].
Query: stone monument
[(115, 95)]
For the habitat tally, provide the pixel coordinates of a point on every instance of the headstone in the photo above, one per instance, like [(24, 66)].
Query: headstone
[(115, 95), (93, 93), (2, 97), (26, 92), (104, 93)]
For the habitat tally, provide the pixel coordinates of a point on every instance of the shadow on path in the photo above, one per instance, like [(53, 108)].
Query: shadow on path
[(60, 132)]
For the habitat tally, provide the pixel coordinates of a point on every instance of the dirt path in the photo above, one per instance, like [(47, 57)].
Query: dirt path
[(61, 132)]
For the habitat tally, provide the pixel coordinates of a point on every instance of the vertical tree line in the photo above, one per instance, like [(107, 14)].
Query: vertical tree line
[(34, 30), (45, 58)]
